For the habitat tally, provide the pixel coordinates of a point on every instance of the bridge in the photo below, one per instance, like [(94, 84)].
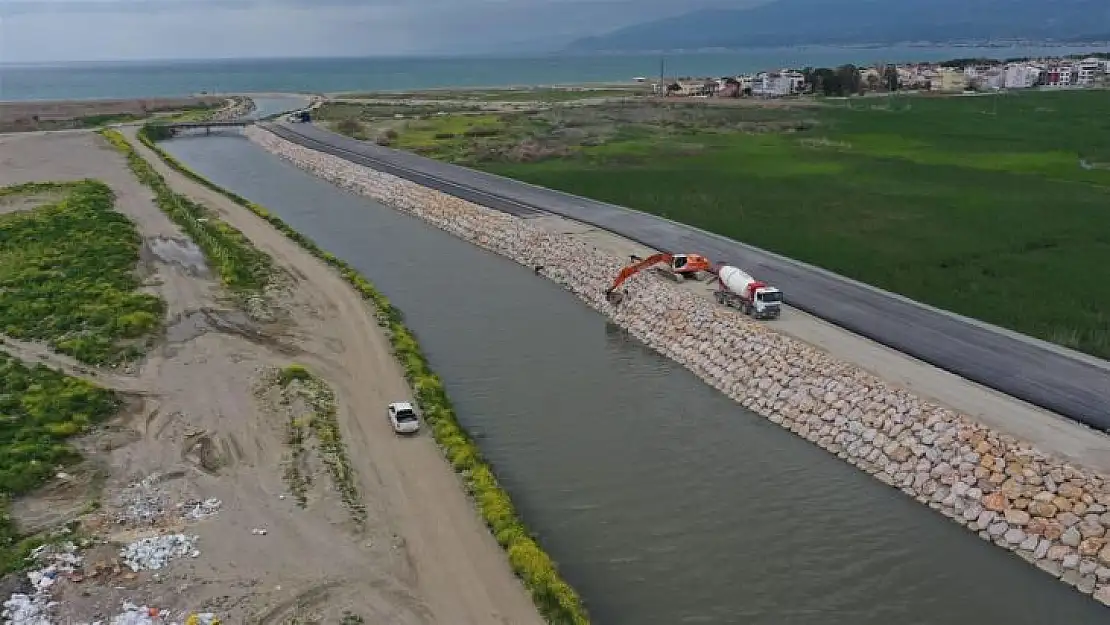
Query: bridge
[(177, 128)]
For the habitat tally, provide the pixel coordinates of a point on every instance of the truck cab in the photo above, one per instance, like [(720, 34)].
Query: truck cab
[(767, 303)]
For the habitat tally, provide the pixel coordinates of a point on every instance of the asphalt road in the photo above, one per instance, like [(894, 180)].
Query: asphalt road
[(1073, 385)]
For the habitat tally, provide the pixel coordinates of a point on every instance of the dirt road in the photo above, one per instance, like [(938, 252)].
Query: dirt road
[(423, 556)]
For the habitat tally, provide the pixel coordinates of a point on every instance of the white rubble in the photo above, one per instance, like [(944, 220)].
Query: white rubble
[(35, 608), (133, 614), (142, 502), (973, 475), (155, 552), (197, 510)]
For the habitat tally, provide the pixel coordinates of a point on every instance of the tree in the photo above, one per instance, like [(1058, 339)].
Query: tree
[(873, 82), (810, 80), (850, 80), (890, 78)]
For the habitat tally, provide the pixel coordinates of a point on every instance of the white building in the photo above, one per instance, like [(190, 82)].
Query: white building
[(1089, 71), (1020, 76), (777, 84)]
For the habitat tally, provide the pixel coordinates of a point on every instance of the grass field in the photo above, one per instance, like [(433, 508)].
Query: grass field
[(68, 274), (996, 207)]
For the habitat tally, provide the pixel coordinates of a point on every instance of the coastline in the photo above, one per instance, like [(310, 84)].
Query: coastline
[(1049, 512)]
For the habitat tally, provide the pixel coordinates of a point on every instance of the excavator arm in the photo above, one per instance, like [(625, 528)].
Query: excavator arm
[(683, 264), (636, 268)]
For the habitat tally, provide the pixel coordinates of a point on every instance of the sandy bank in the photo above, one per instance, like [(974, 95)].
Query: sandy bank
[(1043, 508), (203, 426)]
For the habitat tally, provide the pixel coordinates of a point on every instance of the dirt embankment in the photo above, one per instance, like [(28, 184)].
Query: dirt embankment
[(66, 114), (206, 423)]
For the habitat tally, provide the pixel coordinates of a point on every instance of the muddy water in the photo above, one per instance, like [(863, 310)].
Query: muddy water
[(664, 501)]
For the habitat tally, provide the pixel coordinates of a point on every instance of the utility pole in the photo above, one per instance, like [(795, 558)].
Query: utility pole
[(662, 74)]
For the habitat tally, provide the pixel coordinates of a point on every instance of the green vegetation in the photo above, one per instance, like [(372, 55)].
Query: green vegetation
[(243, 269), (555, 599), (67, 275), (995, 207), (480, 140), (526, 94), (41, 408), (298, 383)]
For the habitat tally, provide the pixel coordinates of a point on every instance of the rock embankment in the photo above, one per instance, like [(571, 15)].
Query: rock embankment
[(1049, 512)]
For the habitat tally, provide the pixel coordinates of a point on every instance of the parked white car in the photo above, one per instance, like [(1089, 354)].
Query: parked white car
[(402, 416)]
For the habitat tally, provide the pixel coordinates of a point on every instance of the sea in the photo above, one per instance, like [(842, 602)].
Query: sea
[(133, 79)]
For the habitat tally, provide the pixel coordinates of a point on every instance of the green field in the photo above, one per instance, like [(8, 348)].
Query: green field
[(996, 207), (67, 274), (67, 278), (41, 408)]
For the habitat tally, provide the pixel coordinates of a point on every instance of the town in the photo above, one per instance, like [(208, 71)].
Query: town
[(955, 76)]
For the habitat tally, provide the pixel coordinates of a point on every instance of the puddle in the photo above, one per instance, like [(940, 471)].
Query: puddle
[(182, 253)]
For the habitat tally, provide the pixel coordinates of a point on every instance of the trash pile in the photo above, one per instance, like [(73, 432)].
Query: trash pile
[(142, 503), (197, 510), (155, 552), (34, 608), (143, 615), (1048, 511), (145, 503)]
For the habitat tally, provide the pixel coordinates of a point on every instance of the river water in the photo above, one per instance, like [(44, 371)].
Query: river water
[(663, 501), (265, 106)]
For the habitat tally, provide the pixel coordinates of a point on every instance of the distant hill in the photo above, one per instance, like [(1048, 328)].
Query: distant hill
[(833, 22)]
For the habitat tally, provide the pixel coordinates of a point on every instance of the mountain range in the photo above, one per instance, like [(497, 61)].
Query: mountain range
[(849, 22)]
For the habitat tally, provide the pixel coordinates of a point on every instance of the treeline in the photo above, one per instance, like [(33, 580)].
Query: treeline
[(847, 80)]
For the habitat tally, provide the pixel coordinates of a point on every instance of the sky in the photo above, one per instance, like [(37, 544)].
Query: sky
[(98, 30)]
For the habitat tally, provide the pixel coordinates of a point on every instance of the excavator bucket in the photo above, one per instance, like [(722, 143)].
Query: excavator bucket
[(614, 297)]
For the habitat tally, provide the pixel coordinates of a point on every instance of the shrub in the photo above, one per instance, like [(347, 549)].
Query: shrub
[(41, 408), (242, 267), (294, 372), (67, 275), (482, 132)]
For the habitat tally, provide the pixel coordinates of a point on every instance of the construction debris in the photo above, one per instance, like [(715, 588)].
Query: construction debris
[(143, 615), (197, 510), (150, 554), (35, 608)]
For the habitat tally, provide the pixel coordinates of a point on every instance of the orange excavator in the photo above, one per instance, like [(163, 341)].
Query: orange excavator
[(678, 267)]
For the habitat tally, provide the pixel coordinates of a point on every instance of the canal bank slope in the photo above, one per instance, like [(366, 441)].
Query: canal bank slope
[(1047, 511)]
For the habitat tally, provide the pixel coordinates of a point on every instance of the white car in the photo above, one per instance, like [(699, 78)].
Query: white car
[(402, 416)]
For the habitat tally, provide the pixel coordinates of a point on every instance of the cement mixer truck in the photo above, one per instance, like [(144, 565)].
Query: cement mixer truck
[(753, 297)]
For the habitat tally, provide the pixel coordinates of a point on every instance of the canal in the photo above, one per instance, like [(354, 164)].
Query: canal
[(265, 106), (663, 501)]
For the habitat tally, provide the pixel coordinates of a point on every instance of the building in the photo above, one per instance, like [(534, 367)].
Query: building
[(696, 88), (1089, 71), (777, 84), (1020, 76), (948, 79), (1059, 75)]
